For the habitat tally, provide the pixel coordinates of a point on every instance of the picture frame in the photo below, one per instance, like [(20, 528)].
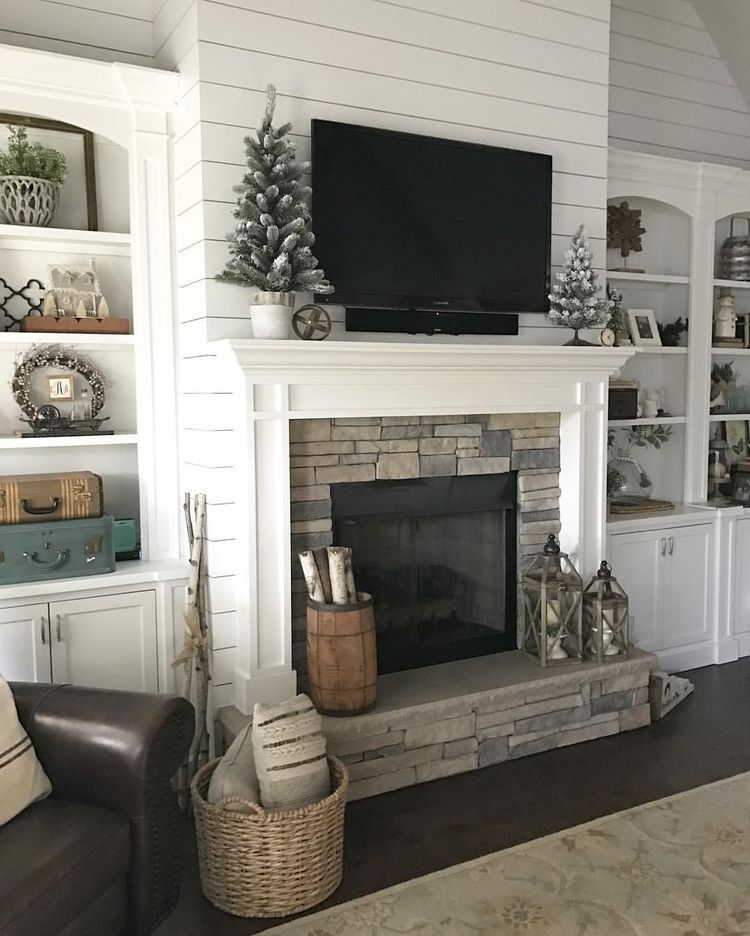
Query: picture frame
[(60, 387), (737, 437), (643, 328), (87, 180)]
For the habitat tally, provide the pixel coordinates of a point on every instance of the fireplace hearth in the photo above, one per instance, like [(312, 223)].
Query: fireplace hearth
[(439, 557)]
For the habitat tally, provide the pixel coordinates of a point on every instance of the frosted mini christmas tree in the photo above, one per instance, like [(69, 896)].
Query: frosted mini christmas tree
[(271, 243), (573, 299)]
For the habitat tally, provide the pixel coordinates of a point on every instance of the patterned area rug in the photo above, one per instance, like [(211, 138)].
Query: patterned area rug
[(676, 867)]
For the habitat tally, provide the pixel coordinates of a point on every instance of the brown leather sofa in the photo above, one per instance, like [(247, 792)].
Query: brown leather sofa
[(101, 856)]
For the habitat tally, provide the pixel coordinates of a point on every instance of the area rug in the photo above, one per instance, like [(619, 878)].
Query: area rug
[(676, 867)]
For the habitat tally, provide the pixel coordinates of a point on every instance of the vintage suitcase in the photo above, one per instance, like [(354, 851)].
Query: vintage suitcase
[(64, 549), (39, 498)]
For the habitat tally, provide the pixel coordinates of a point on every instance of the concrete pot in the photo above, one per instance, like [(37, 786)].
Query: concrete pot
[(271, 314)]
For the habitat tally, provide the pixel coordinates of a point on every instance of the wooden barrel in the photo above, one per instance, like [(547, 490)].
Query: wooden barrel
[(342, 656)]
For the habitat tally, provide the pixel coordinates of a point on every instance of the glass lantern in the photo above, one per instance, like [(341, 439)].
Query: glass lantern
[(605, 617), (552, 603)]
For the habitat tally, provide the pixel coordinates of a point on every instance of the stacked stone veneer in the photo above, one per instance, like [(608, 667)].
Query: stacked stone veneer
[(341, 450), (388, 750)]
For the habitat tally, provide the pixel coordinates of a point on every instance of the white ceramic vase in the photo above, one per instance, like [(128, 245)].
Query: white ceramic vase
[(271, 314), (27, 200)]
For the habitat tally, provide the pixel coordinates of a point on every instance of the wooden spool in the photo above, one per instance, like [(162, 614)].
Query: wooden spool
[(342, 656)]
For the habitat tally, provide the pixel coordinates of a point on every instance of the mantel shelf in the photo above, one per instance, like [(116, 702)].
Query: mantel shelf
[(664, 279), (63, 240), (658, 349), (12, 442), (648, 421)]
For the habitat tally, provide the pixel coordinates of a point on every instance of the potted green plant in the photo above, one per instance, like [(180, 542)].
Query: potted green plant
[(270, 247), (31, 176)]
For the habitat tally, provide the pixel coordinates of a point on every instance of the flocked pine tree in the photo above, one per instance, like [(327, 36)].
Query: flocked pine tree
[(271, 243), (573, 299)]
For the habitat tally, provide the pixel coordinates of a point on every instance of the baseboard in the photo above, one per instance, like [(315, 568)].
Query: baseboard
[(743, 644), (677, 659)]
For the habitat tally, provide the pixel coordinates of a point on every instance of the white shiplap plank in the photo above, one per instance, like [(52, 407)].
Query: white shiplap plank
[(685, 141), (653, 29), (224, 63), (321, 85), (520, 17), (677, 87), (642, 52), (231, 21), (675, 11), (697, 116), (222, 139), (46, 44), (594, 9), (65, 22)]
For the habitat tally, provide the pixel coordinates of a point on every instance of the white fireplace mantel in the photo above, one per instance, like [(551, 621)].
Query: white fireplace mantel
[(276, 381)]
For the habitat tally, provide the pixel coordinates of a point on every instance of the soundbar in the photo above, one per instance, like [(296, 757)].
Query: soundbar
[(427, 322)]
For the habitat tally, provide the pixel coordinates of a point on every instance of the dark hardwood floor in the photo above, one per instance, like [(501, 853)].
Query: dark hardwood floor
[(402, 835)]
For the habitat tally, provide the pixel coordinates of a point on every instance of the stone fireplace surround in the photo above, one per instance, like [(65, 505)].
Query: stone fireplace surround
[(444, 715), (349, 449)]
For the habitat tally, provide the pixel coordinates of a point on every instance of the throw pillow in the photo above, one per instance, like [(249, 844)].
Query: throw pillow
[(290, 754), (235, 774), (22, 778)]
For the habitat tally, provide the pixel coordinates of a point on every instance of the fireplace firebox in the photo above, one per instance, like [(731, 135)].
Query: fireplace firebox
[(439, 557)]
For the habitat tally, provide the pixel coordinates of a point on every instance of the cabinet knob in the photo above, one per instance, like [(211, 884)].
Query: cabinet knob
[(44, 630), (663, 544), (671, 545), (58, 628)]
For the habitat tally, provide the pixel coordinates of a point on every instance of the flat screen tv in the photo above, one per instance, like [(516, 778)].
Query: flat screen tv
[(404, 221)]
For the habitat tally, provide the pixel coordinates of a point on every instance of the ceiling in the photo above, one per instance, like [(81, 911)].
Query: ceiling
[(728, 23)]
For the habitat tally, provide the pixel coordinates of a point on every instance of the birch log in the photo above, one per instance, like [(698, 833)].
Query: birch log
[(312, 578), (349, 573), (337, 569), (321, 562)]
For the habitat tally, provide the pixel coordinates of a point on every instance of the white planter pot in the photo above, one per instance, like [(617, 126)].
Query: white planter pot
[(25, 200), (271, 314)]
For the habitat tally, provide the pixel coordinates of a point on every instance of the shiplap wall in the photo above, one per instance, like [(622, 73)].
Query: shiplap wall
[(670, 91), (110, 30), (522, 74)]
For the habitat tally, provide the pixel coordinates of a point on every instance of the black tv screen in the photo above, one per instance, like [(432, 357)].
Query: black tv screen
[(413, 222)]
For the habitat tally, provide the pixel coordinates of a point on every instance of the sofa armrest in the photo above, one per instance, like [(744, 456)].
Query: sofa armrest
[(118, 750)]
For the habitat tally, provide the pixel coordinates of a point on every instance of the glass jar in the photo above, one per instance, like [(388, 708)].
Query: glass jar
[(628, 484)]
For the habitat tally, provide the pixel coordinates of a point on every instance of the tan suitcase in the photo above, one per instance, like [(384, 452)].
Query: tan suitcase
[(71, 495)]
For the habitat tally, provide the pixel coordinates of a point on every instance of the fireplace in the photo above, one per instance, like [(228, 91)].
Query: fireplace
[(439, 557)]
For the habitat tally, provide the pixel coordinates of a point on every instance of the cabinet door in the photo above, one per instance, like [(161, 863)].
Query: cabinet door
[(637, 562), (741, 622), (687, 608), (107, 642), (24, 644)]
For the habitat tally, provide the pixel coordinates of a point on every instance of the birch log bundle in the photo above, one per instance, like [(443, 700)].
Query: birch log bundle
[(329, 575)]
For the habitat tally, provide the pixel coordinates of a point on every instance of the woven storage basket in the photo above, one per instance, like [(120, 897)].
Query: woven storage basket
[(270, 864)]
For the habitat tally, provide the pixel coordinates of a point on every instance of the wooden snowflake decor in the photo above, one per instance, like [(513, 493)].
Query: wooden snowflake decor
[(311, 323), (624, 229)]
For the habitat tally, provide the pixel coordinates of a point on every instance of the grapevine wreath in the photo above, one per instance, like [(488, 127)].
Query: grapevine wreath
[(58, 357)]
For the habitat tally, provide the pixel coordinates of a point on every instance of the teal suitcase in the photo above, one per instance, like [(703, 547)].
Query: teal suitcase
[(35, 552)]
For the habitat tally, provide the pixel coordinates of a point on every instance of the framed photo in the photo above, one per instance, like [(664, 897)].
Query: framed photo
[(736, 430), (77, 207), (60, 387), (643, 328)]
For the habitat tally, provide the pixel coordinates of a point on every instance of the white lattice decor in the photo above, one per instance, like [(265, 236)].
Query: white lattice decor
[(25, 200)]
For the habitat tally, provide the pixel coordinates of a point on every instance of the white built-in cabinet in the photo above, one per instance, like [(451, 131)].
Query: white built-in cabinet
[(106, 642), (119, 630), (685, 572), (668, 574)]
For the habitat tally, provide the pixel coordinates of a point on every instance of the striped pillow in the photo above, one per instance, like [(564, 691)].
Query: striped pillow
[(290, 754), (22, 778)]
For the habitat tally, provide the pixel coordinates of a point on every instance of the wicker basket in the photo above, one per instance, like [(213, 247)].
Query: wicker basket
[(270, 864)]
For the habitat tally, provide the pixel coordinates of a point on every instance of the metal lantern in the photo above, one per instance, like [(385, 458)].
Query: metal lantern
[(605, 617), (552, 603)]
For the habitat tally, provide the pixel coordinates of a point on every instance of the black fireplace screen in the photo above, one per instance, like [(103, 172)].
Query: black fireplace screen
[(439, 557)]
